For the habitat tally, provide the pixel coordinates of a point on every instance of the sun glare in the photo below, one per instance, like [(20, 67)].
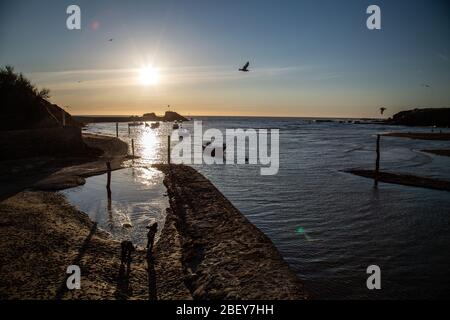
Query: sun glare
[(148, 76)]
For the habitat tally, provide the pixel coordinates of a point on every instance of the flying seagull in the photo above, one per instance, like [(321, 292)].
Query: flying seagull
[(382, 110), (110, 39), (426, 85), (245, 67)]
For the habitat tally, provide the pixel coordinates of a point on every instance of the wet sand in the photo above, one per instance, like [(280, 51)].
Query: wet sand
[(52, 173), (114, 151), (445, 153), (405, 179)]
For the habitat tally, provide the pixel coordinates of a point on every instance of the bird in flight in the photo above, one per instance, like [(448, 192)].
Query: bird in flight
[(426, 85), (110, 39), (245, 67), (382, 110)]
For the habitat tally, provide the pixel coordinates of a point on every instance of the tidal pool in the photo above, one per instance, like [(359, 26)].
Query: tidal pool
[(138, 197)]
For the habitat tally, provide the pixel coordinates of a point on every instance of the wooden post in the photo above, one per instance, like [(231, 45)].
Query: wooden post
[(117, 129), (377, 162), (168, 149), (132, 146), (108, 171), (129, 132)]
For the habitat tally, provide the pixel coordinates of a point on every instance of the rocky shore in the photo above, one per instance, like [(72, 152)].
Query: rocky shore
[(168, 116), (439, 117), (209, 250)]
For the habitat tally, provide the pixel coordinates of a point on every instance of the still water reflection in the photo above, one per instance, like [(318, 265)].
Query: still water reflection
[(137, 198)]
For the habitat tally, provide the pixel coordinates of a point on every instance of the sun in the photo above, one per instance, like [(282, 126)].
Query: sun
[(149, 75)]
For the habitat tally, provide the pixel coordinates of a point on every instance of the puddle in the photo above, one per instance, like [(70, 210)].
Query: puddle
[(137, 199)]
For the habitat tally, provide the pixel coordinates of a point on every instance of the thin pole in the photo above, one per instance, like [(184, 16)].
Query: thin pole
[(377, 162), (168, 149), (132, 146), (108, 185), (117, 129), (129, 131), (108, 170)]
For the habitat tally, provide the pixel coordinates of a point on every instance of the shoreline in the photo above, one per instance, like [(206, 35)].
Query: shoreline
[(404, 179), (114, 151), (439, 152), (207, 248), (420, 135)]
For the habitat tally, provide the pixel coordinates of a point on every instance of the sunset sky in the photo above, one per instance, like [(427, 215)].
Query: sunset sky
[(307, 58)]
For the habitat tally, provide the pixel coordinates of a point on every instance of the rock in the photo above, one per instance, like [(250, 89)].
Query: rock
[(439, 117), (168, 116)]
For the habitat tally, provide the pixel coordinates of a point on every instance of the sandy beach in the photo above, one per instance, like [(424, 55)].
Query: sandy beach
[(42, 234)]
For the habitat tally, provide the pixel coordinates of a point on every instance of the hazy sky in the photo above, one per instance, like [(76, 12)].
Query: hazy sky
[(308, 58)]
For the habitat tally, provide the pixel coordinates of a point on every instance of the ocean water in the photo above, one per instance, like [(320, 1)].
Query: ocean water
[(346, 224)]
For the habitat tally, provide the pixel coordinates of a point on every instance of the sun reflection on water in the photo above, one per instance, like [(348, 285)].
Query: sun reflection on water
[(148, 144)]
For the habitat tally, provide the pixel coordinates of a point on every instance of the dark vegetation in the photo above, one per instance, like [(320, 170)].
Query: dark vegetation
[(24, 106)]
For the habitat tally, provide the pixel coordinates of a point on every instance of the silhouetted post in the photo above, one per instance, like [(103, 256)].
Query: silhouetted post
[(377, 162), (168, 149), (132, 147), (117, 129), (108, 171), (129, 131)]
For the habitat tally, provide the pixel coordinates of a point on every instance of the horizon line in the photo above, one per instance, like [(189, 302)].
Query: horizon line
[(233, 116)]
